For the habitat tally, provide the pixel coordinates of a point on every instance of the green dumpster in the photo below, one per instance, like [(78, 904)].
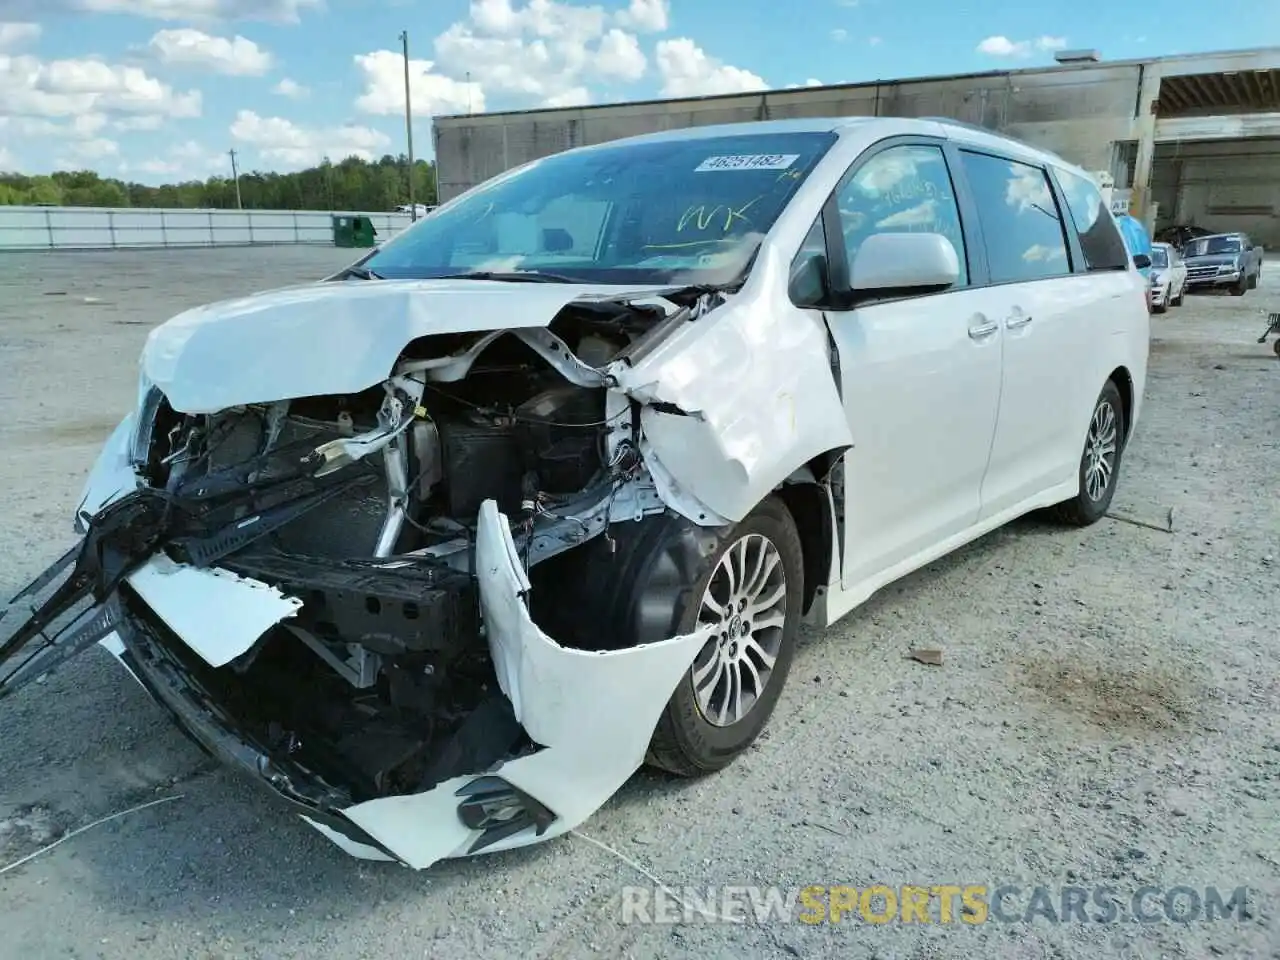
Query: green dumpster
[(354, 232)]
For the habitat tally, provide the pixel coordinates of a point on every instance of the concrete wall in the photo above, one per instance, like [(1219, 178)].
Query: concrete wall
[(1076, 112), (89, 228), (1223, 185)]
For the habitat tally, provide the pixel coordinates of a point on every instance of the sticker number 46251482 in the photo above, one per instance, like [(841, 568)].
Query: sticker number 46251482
[(758, 161)]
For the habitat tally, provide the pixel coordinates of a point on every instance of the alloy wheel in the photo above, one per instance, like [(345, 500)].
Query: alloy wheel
[(746, 601), (1100, 451)]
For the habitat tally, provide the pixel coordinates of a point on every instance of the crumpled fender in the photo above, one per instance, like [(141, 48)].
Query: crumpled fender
[(737, 400), (112, 475), (593, 714)]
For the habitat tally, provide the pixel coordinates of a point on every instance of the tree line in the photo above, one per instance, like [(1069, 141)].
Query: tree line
[(351, 184)]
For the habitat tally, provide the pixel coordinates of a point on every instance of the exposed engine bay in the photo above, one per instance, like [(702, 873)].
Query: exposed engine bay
[(382, 681)]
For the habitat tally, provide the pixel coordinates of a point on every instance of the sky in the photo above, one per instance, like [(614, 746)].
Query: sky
[(160, 90)]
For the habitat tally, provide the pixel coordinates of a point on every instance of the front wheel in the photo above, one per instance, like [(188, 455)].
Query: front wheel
[(1238, 289), (750, 590), (1099, 462)]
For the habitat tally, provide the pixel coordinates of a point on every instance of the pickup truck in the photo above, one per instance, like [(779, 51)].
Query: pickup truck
[(1228, 260)]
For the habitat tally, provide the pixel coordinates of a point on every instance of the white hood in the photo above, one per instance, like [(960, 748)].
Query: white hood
[(333, 337)]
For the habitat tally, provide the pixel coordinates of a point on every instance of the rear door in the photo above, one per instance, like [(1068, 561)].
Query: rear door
[(1055, 297)]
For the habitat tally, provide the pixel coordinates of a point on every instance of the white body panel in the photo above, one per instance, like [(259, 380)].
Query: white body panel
[(326, 338), (922, 398)]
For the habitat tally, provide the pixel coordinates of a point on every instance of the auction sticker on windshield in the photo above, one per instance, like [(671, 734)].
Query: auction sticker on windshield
[(757, 161)]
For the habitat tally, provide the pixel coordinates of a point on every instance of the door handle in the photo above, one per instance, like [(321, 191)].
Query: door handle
[(1017, 320), (982, 329)]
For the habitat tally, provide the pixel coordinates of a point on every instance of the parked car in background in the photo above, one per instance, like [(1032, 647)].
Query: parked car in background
[(1138, 242), (443, 548), (1229, 260), (1179, 235), (1168, 277)]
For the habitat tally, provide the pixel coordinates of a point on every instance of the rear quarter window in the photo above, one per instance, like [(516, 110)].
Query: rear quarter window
[(1100, 240)]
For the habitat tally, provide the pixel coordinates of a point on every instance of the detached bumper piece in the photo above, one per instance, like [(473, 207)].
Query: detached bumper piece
[(120, 539)]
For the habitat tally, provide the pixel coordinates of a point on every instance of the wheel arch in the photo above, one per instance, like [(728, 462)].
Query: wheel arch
[(810, 504), (1123, 380)]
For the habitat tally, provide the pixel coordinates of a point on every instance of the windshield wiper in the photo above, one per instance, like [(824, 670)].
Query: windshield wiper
[(512, 276), (359, 273)]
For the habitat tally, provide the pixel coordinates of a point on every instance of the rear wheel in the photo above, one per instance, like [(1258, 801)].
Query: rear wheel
[(750, 589), (1099, 462)]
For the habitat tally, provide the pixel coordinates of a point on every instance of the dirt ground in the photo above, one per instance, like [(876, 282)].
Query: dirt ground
[(1105, 714)]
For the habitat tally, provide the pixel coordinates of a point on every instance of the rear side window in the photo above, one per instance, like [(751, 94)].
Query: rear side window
[(1020, 220), (1099, 239)]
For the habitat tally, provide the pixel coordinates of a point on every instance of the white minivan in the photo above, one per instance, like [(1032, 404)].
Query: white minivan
[(442, 548)]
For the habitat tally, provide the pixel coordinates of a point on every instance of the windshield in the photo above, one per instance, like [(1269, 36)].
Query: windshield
[(1159, 257), (1209, 246), (680, 211)]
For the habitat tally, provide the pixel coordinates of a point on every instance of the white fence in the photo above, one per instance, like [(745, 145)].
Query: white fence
[(101, 228)]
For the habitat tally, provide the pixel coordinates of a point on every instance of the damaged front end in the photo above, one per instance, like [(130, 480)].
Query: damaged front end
[(337, 592)]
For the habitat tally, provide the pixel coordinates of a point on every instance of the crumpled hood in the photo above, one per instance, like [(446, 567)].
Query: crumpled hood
[(333, 337)]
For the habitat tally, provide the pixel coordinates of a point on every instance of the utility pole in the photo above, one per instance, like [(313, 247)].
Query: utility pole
[(235, 175), (408, 124)]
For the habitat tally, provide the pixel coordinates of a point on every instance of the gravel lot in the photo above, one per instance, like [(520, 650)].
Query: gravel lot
[(1105, 713)]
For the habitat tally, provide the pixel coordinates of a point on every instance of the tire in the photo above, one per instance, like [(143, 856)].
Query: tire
[(1090, 505), (1238, 290), (1253, 281), (1276, 346), (689, 739), (1160, 309), (1177, 301)]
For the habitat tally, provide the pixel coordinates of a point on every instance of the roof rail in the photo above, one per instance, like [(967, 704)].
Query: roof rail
[(978, 128)]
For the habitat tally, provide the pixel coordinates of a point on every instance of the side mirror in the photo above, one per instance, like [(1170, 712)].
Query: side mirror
[(810, 281), (906, 262), (1141, 261)]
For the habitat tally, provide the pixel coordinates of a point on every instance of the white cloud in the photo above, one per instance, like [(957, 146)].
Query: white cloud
[(188, 160), (88, 124), (237, 56), (432, 93), (544, 51), (143, 121), (839, 34), (573, 97), (688, 71), (875, 41), (620, 56), (283, 142), (279, 11), (68, 88), (291, 89), (95, 149), (647, 16), (7, 160), (16, 34), (1002, 46), (811, 82)]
